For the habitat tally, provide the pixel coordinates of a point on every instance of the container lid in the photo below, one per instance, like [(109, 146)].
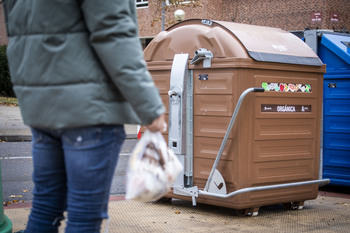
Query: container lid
[(231, 40), (273, 44), (339, 44)]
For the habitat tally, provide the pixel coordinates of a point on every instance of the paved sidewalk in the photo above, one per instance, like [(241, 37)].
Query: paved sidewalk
[(11, 125), (325, 214)]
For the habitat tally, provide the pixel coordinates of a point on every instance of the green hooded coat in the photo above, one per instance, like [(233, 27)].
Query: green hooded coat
[(79, 63)]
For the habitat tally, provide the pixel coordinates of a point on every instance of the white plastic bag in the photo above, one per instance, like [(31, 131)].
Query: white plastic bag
[(153, 168)]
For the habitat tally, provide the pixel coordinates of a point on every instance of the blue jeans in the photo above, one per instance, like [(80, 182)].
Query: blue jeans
[(73, 171)]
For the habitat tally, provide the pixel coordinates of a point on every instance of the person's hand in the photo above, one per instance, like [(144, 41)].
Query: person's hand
[(158, 124)]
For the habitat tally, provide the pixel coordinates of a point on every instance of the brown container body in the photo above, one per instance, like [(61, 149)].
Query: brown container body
[(276, 137)]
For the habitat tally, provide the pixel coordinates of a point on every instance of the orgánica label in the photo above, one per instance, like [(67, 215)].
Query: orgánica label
[(285, 108)]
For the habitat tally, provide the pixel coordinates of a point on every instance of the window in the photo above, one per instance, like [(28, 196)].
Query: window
[(183, 2), (144, 3), (141, 3)]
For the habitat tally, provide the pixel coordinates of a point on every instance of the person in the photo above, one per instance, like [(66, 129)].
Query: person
[(78, 72)]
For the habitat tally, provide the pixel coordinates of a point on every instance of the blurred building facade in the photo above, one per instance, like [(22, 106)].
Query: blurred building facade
[(3, 37), (291, 15)]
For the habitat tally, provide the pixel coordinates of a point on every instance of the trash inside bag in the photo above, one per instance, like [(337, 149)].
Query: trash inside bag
[(152, 170)]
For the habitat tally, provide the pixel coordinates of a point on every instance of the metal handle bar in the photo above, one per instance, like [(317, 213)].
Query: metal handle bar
[(233, 119), (262, 188)]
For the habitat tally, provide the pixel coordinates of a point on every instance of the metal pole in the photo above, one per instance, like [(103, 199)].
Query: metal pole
[(5, 223), (163, 14), (223, 144)]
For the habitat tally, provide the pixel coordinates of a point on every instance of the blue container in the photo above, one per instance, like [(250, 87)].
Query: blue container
[(334, 51)]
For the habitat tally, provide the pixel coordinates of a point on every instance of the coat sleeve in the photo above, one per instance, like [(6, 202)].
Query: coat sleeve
[(113, 29)]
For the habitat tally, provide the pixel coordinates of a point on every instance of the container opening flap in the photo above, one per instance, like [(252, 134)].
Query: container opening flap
[(338, 44)]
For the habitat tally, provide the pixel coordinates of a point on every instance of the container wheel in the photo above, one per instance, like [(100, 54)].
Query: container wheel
[(251, 212), (295, 205)]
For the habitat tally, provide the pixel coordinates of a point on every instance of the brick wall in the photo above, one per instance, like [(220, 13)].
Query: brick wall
[(3, 35), (290, 15), (149, 27)]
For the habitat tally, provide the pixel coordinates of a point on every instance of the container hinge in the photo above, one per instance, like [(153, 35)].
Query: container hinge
[(192, 192), (202, 54)]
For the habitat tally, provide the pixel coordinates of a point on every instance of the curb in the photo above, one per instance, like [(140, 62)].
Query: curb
[(131, 136), (16, 138), (28, 138)]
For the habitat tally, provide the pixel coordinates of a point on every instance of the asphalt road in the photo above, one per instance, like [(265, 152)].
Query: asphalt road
[(16, 166)]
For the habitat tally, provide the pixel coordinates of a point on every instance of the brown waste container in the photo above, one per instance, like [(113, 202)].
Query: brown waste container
[(247, 150)]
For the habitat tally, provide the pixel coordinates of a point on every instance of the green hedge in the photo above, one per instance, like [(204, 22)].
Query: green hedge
[(5, 80)]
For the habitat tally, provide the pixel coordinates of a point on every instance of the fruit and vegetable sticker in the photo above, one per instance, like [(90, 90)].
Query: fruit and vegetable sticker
[(286, 87)]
